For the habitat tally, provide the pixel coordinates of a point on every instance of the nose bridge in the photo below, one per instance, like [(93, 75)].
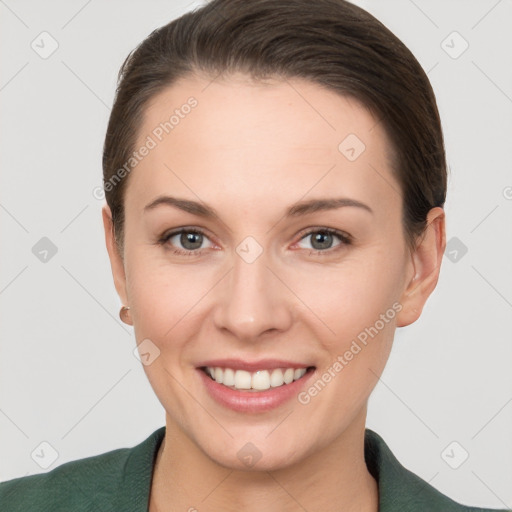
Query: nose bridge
[(253, 300)]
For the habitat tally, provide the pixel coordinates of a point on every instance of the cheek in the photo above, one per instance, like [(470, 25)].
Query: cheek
[(164, 297), (359, 301), (350, 296)]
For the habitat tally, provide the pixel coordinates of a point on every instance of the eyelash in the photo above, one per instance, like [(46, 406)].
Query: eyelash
[(344, 238)]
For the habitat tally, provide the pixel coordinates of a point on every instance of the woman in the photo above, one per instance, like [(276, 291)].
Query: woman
[(275, 179)]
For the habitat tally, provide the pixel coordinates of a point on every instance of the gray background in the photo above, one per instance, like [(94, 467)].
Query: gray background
[(68, 376)]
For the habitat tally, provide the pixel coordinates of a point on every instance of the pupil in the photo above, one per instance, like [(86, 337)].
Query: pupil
[(324, 240), (188, 238)]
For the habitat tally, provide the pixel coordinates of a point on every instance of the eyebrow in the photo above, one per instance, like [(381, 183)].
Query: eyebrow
[(296, 210)]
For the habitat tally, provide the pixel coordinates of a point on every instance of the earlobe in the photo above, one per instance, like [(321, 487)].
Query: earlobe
[(426, 263), (116, 261)]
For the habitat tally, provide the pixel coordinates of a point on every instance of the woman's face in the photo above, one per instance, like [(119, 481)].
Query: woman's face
[(264, 286)]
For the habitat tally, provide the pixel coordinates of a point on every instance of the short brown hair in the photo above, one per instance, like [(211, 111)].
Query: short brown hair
[(329, 42)]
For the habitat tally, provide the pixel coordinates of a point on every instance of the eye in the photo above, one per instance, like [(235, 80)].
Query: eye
[(321, 240), (190, 239)]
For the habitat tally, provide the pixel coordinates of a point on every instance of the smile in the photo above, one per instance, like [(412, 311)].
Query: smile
[(254, 387)]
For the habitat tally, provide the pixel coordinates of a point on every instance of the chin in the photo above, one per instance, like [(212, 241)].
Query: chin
[(260, 454), (251, 459)]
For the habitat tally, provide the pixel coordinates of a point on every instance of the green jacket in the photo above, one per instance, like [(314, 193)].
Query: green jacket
[(119, 481)]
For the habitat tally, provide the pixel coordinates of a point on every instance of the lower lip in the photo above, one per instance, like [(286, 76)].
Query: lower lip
[(254, 401)]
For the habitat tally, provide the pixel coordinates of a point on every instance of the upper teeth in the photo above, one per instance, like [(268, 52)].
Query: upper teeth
[(259, 380)]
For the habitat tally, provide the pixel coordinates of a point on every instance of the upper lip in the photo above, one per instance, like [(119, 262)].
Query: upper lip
[(252, 366)]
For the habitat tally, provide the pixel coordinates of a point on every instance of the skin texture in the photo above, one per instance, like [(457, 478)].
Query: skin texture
[(250, 150)]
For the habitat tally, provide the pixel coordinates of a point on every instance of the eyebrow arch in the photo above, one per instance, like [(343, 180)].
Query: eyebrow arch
[(193, 207), (296, 210), (315, 205)]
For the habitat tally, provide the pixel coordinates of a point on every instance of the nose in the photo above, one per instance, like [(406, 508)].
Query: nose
[(252, 301)]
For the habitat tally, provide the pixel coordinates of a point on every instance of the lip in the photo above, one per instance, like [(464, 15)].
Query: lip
[(253, 366), (254, 401)]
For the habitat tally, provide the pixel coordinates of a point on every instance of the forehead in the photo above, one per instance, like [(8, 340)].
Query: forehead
[(235, 111), (260, 136)]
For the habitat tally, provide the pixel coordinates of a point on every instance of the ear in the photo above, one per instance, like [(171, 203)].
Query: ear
[(116, 261), (426, 264)]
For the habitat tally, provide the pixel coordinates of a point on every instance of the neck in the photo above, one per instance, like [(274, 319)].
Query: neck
[(332, 479)]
